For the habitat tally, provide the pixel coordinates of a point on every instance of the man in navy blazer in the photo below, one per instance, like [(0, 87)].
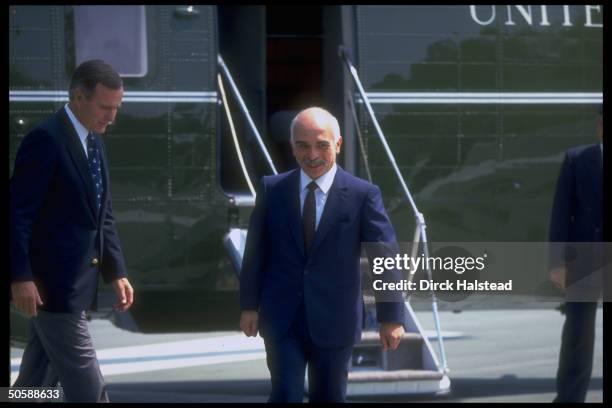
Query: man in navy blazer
[(63, 235), (300, 282), (577, 217)]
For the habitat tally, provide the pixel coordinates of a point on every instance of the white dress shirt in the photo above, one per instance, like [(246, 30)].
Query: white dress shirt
[(78, 126), (321, 193)]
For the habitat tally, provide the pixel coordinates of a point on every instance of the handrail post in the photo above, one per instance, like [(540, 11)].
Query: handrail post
[(420, 219), (434, 302)]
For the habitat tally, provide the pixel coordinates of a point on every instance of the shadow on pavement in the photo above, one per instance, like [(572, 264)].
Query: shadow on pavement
[(509, 385), (258, 390), (191, 391)]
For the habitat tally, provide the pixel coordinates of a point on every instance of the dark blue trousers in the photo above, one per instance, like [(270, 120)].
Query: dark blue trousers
[(60, 348), (288, 358), (576, 356)]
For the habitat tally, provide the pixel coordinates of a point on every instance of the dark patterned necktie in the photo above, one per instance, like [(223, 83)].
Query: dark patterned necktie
[(95, 166), (309, 215)]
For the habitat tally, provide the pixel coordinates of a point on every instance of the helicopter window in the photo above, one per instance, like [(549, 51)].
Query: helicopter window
[(116, 35)]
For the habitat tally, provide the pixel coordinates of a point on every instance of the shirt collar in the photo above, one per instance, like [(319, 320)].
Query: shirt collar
[(324, 182), (78, 126)]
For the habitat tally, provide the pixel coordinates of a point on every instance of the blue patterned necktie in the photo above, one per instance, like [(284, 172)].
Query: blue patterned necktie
[(93, 157), (309, 215)]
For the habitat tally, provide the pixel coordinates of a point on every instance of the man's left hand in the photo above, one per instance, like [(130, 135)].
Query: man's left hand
[(125, 294), (391, 335)]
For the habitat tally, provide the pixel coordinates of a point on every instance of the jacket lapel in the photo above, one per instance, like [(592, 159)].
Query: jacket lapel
[(75, 148), (335, 202), (295, 216)]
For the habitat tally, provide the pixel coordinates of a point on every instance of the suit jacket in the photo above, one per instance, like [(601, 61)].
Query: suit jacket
[(577, 211), (56, 230), (277, 275)]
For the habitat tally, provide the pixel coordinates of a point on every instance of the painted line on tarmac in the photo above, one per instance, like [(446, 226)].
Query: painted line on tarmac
[(171, 355)]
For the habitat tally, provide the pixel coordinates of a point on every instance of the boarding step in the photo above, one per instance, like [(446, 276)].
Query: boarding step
[(410, 369), (395, 375), (368, 354), (369, 383)]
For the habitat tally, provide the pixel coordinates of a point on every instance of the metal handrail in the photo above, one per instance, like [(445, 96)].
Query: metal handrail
[(364, 154), (245, 110), (420, 219), (234, 137)]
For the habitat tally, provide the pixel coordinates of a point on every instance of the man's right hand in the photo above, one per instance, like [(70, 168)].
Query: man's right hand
[(557, 276), (26, 297), (249, 322)]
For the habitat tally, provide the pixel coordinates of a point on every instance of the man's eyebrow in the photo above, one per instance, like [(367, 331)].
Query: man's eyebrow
[(109, 105)]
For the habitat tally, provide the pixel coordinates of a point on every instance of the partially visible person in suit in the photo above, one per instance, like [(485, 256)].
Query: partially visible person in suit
[(63, 235), (300, 283), (577, 217)]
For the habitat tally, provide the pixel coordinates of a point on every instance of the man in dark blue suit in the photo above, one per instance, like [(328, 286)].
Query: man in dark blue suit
[(577, 217), (63, 235), (300, 283)]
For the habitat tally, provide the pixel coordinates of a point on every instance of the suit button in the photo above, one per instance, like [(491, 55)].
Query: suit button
[(299, 294), (306, 271), (94, 262)]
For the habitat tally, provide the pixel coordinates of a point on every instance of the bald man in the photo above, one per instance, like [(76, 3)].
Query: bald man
[(300, 283)]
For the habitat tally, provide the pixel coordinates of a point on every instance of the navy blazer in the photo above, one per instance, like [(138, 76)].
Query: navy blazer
[(56, 230), (277, 275), (578, 205)]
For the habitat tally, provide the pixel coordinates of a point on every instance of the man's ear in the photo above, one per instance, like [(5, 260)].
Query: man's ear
[(79, 97), (338, 144), (293, 149)]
